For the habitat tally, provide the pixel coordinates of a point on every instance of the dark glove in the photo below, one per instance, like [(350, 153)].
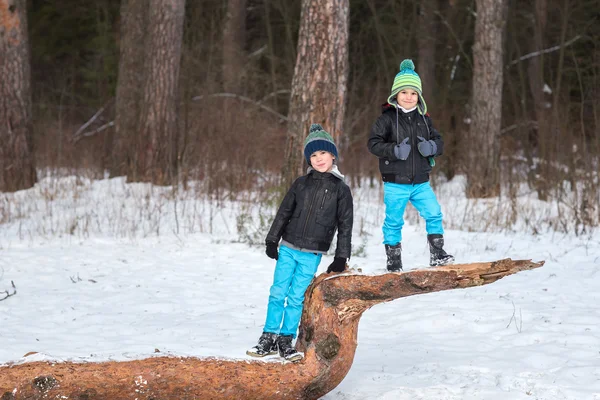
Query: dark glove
[(272, 250), (338, 265), (427, 148), (402, 150)]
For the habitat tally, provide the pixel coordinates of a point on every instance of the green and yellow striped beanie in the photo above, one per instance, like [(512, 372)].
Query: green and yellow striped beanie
[(408, 78)]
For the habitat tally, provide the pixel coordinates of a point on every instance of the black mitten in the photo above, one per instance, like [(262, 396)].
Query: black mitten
[(272, 250), (338, 265)]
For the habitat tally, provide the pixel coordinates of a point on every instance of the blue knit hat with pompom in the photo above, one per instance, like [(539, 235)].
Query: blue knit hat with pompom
[(316, 140)]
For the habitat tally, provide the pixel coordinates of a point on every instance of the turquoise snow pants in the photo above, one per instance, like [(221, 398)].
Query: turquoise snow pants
[(293, 273), (396, 196)]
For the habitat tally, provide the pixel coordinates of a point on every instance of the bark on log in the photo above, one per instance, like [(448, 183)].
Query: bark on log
[(333, 306)]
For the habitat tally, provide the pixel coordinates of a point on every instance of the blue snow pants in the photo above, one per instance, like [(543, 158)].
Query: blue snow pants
[(396, 196), (293, 273)]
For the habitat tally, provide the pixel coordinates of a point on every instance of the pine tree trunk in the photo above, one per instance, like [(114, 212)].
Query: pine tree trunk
[(320, 78), (483, 179), (157, 153), (134, 14), (426, 42), (535, 75), (17, 165), (328, 337), (234, 34)]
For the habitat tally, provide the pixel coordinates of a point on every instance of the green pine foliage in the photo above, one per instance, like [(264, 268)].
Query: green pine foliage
[(74, 51)]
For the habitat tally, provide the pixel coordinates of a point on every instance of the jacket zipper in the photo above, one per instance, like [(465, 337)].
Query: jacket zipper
[(312, 202), (323, 202), (414, 147)]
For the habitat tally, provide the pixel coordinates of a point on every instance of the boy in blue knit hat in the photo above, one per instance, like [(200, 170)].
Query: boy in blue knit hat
[(405, 141), (317, 204)]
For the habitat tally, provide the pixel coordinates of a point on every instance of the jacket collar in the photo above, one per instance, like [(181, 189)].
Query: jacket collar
[(387, 106), (322, 175), (410, 114)]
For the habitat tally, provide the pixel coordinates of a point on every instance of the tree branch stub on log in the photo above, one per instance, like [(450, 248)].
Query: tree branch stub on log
[(328, 336)]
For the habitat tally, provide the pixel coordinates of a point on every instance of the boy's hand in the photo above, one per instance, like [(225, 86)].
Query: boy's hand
[(338, 265), (402, 150), (427, 148), (272, 250)]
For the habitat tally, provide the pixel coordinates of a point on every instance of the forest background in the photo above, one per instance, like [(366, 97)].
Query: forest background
[(211, 92)]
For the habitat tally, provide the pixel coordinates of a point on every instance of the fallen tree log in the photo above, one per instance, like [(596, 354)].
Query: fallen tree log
[(333, 306)]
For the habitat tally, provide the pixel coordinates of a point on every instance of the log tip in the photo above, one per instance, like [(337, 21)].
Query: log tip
[(518, 265)]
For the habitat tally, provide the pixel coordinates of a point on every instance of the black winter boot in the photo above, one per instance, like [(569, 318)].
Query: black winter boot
[(394, 257), (438, 255), (267, 345), (286, 350)]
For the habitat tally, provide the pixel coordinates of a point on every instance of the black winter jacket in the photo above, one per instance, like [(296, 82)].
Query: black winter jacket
[(315, 206), (390, 129)]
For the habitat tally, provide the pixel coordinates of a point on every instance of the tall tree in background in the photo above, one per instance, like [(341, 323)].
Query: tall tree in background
[(483, 178), (426, 40), (17, 168), (320, 77), (134, 14), (156, 159), (234, 33), (535, 77)]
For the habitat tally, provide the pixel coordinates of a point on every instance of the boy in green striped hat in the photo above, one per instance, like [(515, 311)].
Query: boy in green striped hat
[(405, 141)]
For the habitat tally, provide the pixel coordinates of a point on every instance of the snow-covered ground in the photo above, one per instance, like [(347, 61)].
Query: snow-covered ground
[(109, 271)]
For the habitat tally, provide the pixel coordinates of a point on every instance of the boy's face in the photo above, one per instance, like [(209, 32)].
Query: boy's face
[(407, 98), (322, 160)]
